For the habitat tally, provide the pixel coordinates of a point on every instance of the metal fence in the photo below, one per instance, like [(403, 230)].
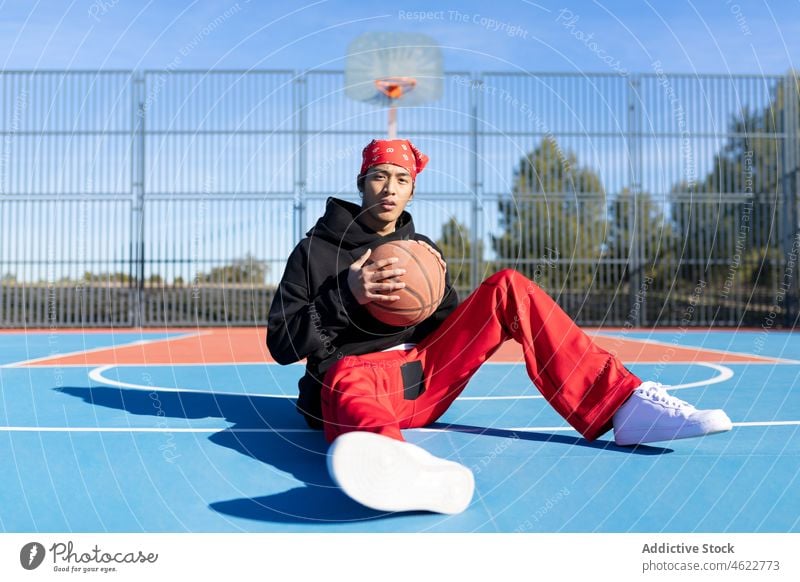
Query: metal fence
[(174, 197)]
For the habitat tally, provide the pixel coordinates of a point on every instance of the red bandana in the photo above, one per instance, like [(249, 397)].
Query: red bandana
[(399, 152)]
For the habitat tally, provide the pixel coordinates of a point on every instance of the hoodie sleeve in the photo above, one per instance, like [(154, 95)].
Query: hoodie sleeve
[(301, 321)]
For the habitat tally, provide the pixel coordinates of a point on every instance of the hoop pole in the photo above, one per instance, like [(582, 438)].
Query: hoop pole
[(392, 122)]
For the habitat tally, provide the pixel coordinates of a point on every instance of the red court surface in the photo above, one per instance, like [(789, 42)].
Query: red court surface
[(248, 345)]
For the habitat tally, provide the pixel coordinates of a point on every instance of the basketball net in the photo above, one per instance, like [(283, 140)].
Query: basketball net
[(395, 88)]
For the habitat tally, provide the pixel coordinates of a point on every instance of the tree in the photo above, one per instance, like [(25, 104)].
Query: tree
[(732, 222), (118, 278), (555, 222), (155, 280), (641, 235), (456, 245), (247, 270)]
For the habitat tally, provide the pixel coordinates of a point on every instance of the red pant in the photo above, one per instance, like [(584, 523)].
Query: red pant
[(584, 383)]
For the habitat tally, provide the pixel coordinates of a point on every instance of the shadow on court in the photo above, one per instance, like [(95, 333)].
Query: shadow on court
[(301, 454), (548, 437)]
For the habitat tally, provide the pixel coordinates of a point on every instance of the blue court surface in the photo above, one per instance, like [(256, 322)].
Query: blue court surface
[(104, 446)]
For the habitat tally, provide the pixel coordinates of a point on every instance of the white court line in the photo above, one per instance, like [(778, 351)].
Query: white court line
[(766, 359), (514, 363), (737, 424), (96, 375), (309, 430), (171, 365), (100, 349), (146, 429), (725, 373), (531, 397), (769, 423)]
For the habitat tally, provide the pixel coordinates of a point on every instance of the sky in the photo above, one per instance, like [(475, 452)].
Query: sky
[(711, 36)]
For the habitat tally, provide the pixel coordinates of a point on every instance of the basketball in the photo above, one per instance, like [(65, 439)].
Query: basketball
[(424, 279)]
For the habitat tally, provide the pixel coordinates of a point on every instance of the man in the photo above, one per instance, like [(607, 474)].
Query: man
[(365, 381)]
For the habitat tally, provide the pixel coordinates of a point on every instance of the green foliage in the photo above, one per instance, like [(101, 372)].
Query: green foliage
[(737, 205), (557, 212), (247, 270), (244, 271), (641, 235), (456, 245), (154, 280), (104, 278)]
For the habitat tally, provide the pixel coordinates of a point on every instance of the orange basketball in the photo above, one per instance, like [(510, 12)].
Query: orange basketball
[(424, 279)]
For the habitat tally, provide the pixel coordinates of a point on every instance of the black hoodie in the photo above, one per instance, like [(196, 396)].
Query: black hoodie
[(314, 314)]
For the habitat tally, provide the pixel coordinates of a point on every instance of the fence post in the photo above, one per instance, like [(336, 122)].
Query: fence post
[(790, 161), (300, 146), (636, 316), (476, 260), (136, 301), (5, 318)]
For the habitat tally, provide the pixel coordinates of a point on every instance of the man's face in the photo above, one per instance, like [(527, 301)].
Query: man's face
[(387, 190)]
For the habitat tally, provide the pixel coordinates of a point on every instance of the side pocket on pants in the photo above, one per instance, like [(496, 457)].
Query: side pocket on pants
[(413, 380)]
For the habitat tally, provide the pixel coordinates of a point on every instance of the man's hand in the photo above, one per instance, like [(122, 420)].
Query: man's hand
[(435, 252), (371, 282)]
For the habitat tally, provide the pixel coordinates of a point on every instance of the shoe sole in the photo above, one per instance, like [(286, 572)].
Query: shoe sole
[(390, 475), (639, 436)]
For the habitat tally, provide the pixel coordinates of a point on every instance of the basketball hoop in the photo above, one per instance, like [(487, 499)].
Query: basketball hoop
[(395, 87), (394, 70)]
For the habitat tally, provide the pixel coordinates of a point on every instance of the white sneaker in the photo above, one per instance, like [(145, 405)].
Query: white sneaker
[(391, 475), (650, 415)]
